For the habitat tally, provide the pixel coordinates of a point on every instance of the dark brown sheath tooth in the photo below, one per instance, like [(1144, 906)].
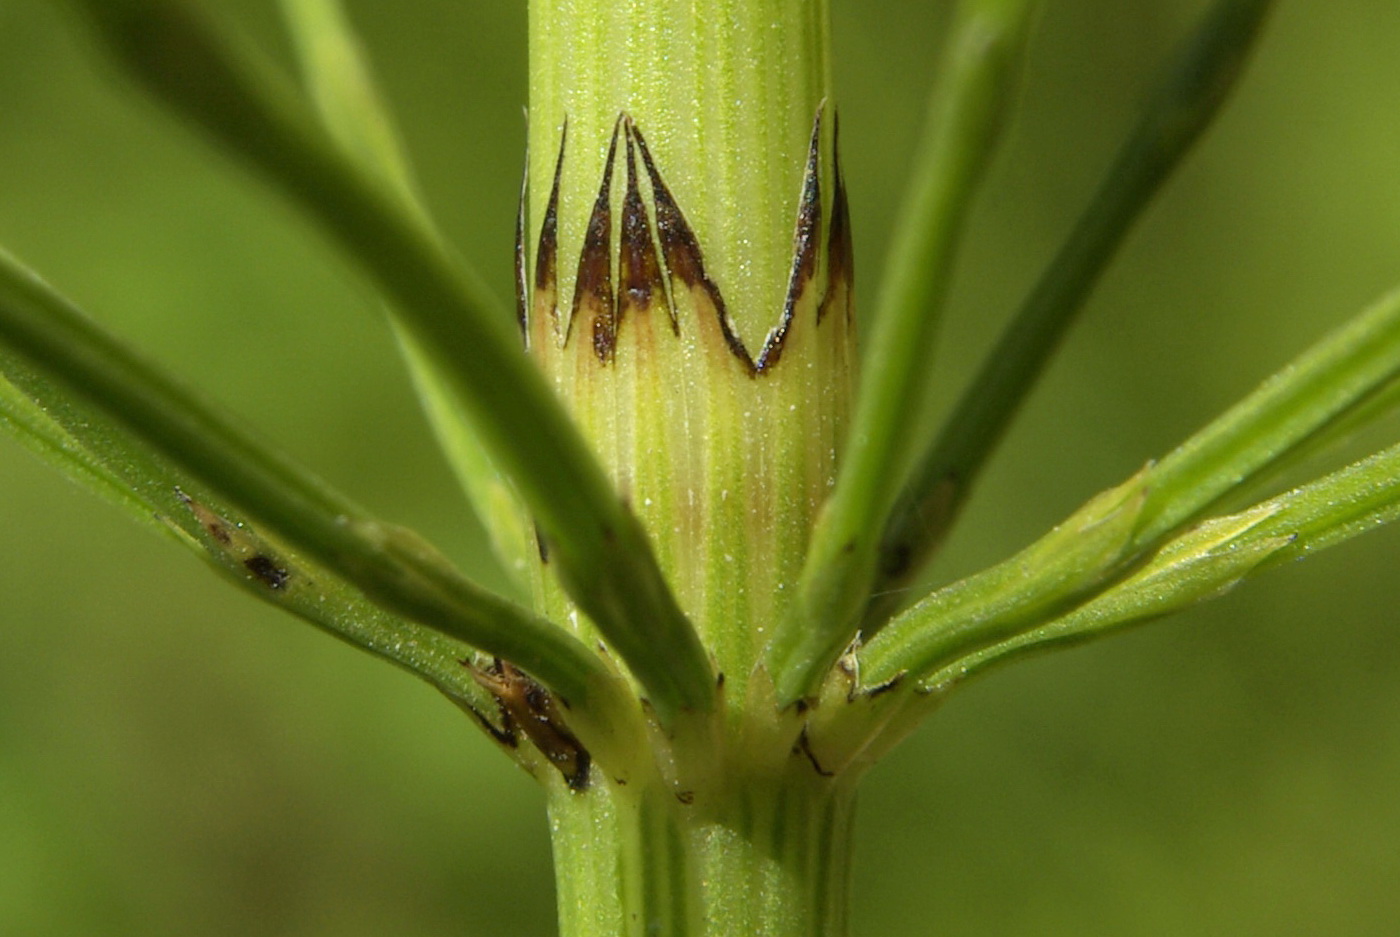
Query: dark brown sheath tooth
[(642, 275), (806, 242), (543, 335), (521, 313), (593, 289), (640, 280), (840, 255), (682, 252), (546, 255)]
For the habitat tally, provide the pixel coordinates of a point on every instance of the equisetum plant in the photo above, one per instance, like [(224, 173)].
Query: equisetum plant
[(718, 509)]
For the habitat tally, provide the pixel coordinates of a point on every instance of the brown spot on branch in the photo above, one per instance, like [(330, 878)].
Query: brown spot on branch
[(529, 709), (266, 571)]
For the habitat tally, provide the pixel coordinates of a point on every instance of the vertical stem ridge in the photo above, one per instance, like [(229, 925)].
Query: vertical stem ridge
[(764, 856)]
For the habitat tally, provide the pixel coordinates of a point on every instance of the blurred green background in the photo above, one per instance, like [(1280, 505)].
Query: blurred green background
[(178, 759)]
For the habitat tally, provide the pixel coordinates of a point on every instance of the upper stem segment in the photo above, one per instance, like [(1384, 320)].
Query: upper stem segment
[(688, 284), (725, 92)]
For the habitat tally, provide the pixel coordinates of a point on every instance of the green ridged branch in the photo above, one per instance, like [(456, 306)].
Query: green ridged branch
[(1213, 557), (1343, 378), (1340, 378), (390, 565), (1195, 83)]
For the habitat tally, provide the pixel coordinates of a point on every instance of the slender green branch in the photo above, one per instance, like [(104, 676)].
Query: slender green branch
[(338, 76), (1339, 378), (1195, 83), (1324, 513), (28, 414), (1335, 380), (1213, 557), (966, 114), (599, 549), (89, 451), (389, 565), (95, 453), (1044, 580)]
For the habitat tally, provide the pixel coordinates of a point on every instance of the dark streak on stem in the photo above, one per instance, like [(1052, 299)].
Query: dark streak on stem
[(684, 259), (240, 544), (882, 688), (804, 745), (541, 544), (840, 255), (593, 286), (805, 243), (521, 309)]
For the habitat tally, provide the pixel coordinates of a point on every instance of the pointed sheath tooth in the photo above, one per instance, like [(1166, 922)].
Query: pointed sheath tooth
[(593, 308), (835, 316), (521, 313), (587, 377), (806, 243), (686, 265), (544, 310), (840, 255), (546, 349), (639, 269), (720, 369), (789, 421)]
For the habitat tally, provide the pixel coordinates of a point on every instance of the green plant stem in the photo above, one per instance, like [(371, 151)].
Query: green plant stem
[(599, 548), (337, 75), (767, 858), (964, 121), (682, 193), (390, 565), (1185, 101), (725, 92)]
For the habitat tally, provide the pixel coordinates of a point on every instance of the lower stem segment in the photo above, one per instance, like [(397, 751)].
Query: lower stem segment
[(769, 858)]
